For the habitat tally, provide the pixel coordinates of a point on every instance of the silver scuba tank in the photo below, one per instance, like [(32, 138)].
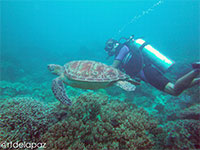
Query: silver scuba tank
[(156, 58)]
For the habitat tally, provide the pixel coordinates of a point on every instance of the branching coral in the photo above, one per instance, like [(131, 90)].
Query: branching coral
[(182, 134), (23, 119), (96, 122)]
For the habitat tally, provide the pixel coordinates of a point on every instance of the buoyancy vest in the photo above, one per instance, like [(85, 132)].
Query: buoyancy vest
[(132, 63)]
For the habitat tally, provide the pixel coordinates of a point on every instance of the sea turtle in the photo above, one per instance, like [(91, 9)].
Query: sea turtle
[(87, 74)]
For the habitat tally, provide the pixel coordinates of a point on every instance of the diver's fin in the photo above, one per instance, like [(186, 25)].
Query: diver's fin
[(196, 65)]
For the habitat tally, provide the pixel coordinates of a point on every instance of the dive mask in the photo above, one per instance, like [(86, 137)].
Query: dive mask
[(109, 46)]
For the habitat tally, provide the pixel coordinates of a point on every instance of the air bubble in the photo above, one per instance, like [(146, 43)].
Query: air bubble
[(137, 17)]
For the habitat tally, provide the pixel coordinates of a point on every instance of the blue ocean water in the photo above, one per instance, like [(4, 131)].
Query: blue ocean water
[(35, 33)]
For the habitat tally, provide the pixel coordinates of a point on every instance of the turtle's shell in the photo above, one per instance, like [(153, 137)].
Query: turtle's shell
[(92, 71)]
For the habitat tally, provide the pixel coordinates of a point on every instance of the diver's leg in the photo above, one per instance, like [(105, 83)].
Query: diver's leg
[(169, 88), (183, 83), (186, 81)]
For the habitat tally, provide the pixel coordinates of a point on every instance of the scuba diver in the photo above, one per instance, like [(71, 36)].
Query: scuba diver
[(139, 59)]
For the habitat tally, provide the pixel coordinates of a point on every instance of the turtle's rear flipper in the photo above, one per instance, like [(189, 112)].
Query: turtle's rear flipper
[(127, 86), (59, 91)]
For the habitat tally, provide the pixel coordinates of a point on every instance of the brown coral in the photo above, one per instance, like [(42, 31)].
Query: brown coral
[(23, 119), (96, 122), (182, 131)]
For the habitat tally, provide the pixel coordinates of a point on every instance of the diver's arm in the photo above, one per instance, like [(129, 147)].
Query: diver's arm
[(116, 63), (118, 59)]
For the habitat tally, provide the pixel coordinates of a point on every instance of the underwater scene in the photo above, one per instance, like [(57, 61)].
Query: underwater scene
[(100, 75)]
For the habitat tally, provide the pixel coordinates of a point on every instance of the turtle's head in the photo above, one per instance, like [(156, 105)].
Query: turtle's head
[(55, 69)]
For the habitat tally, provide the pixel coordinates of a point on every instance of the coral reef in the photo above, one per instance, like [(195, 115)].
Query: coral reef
[(194, 94), (23, 119), (42, 91), (193, 112), (182, 134), (101, 119), (9, 89), (97, 122)]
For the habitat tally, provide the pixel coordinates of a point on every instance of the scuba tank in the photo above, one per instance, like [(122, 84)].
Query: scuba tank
[(150, 53)]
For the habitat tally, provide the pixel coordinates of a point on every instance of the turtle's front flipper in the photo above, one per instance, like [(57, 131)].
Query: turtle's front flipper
[(127, 86), (59, 91), (133, 81)]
